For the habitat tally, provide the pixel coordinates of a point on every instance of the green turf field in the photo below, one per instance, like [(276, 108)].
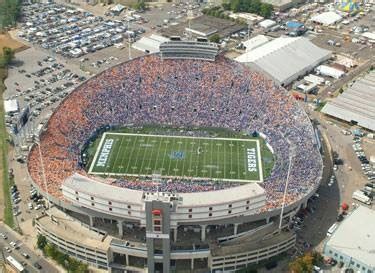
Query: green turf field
[(227, 159)]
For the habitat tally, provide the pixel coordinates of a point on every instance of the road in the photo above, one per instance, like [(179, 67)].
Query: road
[(17, 253)]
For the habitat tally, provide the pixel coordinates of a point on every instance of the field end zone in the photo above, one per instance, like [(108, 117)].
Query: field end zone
[(206, 158)]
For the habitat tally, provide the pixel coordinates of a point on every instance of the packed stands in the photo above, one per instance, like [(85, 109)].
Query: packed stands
[(152, 90)]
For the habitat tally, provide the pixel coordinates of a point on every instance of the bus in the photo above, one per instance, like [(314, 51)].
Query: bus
[(332, 229), (15, 264)]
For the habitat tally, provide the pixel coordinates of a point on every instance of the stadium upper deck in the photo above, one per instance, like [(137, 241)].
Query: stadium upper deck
[(151, 90)]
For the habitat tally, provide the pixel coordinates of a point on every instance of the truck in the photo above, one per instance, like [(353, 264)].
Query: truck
[(361, 197)]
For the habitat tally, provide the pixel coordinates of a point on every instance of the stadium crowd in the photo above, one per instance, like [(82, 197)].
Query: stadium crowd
[(149, 90)]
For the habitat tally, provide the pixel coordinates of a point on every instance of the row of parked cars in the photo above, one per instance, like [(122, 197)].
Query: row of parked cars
[(368, 170), (51, 83), (71, 32)]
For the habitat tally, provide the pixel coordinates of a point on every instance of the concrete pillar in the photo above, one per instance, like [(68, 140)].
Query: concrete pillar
[(192, 264), (127, 259), (267, 220), (203, 233), (235, 229), (120, 227), (175, 234), (91, 221), (305, 204)]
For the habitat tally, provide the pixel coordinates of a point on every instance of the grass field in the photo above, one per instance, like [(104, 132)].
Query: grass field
[(227, 159)]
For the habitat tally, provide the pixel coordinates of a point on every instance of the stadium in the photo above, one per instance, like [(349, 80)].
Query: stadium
[(186, 161)]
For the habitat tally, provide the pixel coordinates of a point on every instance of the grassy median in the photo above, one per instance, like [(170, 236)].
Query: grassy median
[(7, 214)]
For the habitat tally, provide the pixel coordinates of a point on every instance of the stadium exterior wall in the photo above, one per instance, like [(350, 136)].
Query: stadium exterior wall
[(291, 208), (182, 213)]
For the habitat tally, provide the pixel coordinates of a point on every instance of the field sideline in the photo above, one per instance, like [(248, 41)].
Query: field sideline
[(225, 159)]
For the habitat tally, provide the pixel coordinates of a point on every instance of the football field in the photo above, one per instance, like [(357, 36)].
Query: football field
[(226, 159)]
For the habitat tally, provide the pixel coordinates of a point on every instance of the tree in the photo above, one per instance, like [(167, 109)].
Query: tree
[(8, 54), (51, 251), (302, 264), (41, 242), (140, 5), (215, 38), (265, 10), (235, 5)]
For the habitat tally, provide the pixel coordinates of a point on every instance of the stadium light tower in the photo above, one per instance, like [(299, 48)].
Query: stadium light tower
[(37, 142), (291, 156)]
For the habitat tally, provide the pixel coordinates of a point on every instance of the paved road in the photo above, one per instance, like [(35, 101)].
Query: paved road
[(17, 253)]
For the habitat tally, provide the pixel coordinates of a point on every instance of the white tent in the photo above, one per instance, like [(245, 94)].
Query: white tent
[(255, 42), (285, 58), (267, 23), (330, 71), (11, 106), (150, 44), (326, 18)]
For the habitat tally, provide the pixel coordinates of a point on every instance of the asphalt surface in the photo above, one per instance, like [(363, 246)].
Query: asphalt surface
[(17, 253)]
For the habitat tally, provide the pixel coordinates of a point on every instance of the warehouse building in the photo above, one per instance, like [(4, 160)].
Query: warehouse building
[(285, 59), (356, 105), (353, 242)]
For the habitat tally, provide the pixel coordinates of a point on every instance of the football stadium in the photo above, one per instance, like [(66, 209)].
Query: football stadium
[(183, 161)]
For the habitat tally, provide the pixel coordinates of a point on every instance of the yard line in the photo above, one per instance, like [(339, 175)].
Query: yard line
[(238, 162), (198, 159), (184, 159), (170, 160), (211, 154), (141, 171), (218, 160), (231, 158), (192, 155), (114, 165), (157, 155), (224, 160), (165, 152), (149, 158), (131, 155), (125, 154)]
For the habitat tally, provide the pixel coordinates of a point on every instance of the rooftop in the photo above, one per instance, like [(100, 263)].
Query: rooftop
[(326, 18), (355, 236), (299, 53), (356, 103), (94, 188)]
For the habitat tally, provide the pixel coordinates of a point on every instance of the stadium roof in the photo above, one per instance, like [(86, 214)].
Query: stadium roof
[(356, 103), (326, 18), (299, 53), (355, 236), (90, 186)]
